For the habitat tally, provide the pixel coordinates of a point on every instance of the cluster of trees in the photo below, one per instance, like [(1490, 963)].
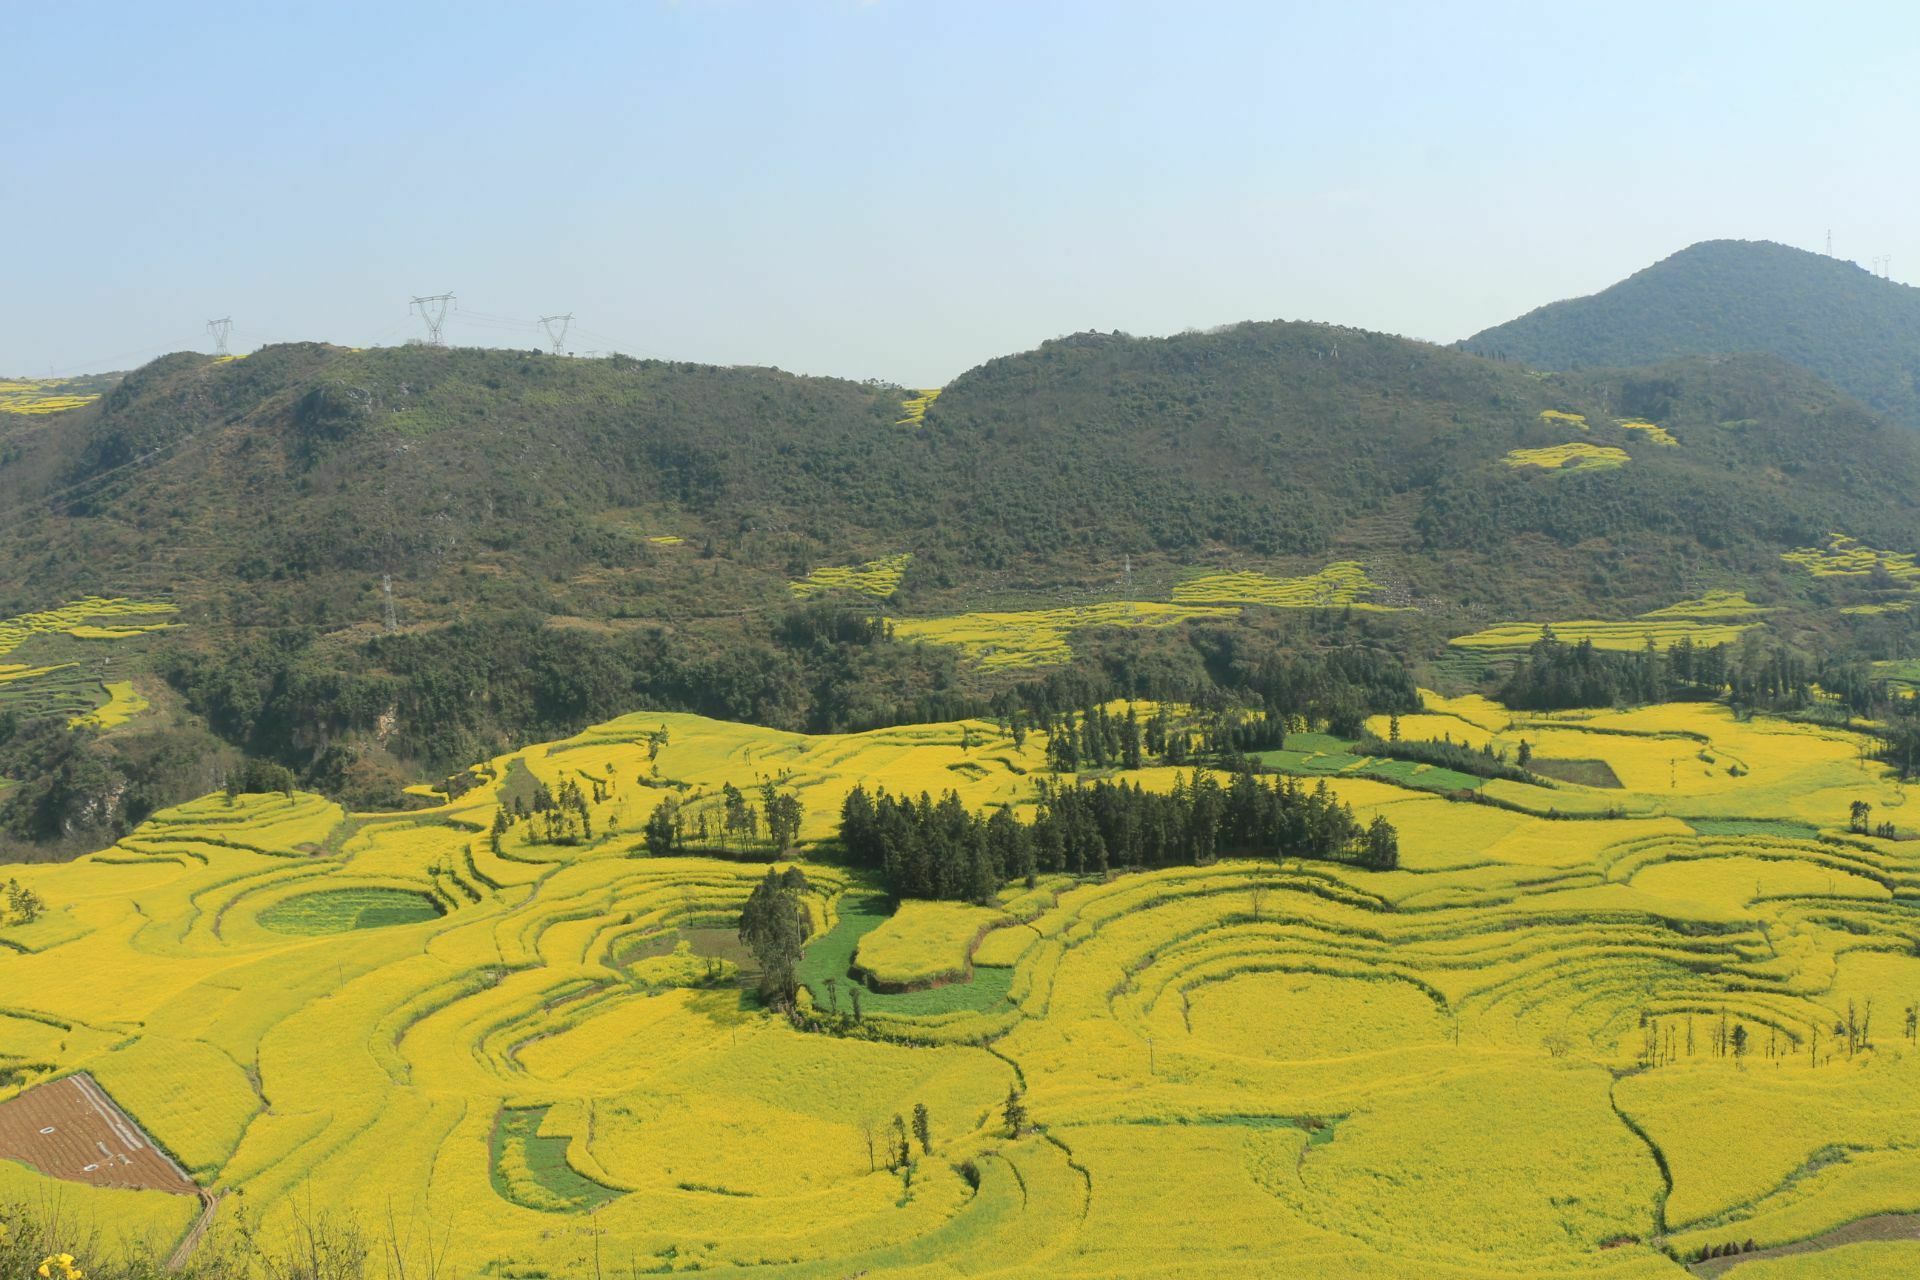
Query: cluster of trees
[(770, 827), (259, 777), (1481, 762), (1013, 1112), (775, 925), (939, 849), (469, 690), (1900, 735), (1666, 1040), (553, 817), (1095, 738), (898, 1150), (1554, 675), (20, 905), (1860, 821), (74, 789)]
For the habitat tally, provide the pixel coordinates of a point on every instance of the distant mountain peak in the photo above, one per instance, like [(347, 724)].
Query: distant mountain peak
[(1855, 329)]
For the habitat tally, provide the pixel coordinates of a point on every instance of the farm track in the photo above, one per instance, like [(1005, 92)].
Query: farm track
[(184, 1251), (1881, 1226)]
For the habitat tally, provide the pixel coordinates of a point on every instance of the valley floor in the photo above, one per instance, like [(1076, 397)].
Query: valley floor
[(1582, 1030)]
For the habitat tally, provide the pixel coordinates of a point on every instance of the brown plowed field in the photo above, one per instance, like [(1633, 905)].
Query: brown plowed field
[(71, 1129)]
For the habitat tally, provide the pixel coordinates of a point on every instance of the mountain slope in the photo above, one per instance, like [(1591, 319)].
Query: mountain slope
[(1857, 330), (396, 559)]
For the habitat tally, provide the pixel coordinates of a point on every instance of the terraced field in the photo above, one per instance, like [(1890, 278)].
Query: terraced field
[(40, 396), (913, 411), (1336, 586), (1844, 557), (1039, 637), (1576, 455), (1043, 637), (1651, 431), (1579, 1032), (1718, 617), (67, 676), (876, 578)]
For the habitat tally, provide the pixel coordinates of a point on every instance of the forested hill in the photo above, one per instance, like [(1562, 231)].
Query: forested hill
[(281, 487), (393, 559), (1859, 331)]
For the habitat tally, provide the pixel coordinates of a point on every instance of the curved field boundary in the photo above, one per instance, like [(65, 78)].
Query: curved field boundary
[(1881, 1226)]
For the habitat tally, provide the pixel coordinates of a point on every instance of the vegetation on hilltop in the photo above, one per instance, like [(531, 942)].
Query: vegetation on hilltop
[(1857, 330)]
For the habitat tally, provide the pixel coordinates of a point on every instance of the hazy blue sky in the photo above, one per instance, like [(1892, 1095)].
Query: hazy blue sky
[(904, 188)]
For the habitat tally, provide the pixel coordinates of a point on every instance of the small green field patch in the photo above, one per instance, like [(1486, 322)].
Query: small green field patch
[(831, 956), (532, 1171), (1585, 773), (1321, 755), (346, 910)]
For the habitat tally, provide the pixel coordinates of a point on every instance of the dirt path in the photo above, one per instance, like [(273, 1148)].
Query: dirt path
[(1881, 1226), (180, 1256)]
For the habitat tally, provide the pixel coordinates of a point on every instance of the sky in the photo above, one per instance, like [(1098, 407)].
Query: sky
[(902, 189)]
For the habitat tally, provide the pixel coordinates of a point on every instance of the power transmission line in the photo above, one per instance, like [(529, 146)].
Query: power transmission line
[(219, 329), (433, 309), (559, 340)]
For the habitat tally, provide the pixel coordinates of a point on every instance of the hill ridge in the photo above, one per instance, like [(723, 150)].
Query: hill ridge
[(1857, 330)]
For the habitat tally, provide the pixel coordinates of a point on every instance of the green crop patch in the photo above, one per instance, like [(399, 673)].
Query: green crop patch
[(345, 910), (532, 1170)]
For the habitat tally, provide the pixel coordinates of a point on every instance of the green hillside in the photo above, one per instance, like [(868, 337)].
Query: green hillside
[(386, 563), (1859, 331)]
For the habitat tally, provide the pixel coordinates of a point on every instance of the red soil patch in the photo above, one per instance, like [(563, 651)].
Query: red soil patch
[(71, 1129)]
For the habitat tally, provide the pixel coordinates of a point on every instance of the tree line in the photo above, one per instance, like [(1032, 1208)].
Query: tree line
[(1554, 675), (939, 849), (1095, 738), (1482, 762)]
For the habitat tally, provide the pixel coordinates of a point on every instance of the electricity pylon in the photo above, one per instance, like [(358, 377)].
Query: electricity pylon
[(433, 309)]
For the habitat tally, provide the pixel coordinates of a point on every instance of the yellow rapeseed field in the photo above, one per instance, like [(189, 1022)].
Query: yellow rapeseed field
[(1585, 1031), (876, 578), (1041, 637), (1845, 557), (926, 941), (76, 620), (29, 396), (70, 684), (122, 705), (1653, 432), (1576, 455), (913, 411), (1719, 617), (1336, 586)]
